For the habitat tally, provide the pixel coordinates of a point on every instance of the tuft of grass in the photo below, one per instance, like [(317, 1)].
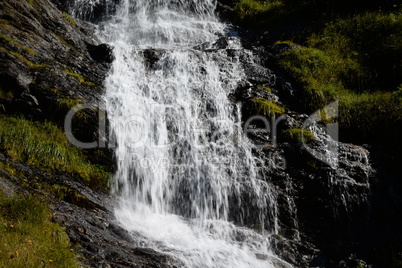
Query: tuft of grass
[(29, 238), (69, 19), (6, 94), (298, 135), (267, 108), (257, 13), (79, 77), (69, 103), (45, 146), (249, 8)]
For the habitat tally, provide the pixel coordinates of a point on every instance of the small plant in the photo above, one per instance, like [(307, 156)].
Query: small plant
[(267, 108), (298, 135), (69, 19), (6, 94), (69, 103), (79, 77)]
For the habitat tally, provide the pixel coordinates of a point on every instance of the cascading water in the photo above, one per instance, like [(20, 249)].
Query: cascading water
[(187, 179)]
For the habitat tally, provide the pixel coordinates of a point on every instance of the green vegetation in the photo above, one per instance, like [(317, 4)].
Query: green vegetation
[(63, 40), (250, 8), (262, 14), (6, 94), (28, 237), (69, 19), (22, 59), (17, 44), (266, 108), (69, 103), (79, 77), (298, 135), (356, 61), (45, 146)]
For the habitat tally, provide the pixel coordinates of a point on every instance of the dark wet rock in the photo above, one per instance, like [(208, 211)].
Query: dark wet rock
[(102, 53), (152, 56)]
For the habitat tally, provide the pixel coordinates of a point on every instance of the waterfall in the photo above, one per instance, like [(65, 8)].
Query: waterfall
[(187, 180)]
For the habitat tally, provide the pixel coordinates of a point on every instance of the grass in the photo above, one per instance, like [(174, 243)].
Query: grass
[(69, 19), (298, 135), (29, 238), (6, 94), (68, 103), (355, 60), (266, 108), (257, 13), (250, 8), (45, 146), (79, 77)]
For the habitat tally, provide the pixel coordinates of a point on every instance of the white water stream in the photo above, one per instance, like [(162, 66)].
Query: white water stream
[(188, 182)]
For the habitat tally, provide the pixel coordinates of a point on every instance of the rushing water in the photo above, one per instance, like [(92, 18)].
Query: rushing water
[(188, 182)]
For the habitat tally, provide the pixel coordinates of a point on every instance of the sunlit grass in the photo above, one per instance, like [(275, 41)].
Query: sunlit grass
[(45, 145), (28, 237)]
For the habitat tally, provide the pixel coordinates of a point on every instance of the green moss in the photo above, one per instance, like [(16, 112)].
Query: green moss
[(69, 19), (298, 135), (31, 2), (249, 8), (267, 108), (63, 40), (22, 59), (18, 44), (69, 103), (45, 146), (79, 77), (6, 94), (29, 238), (285, 42)]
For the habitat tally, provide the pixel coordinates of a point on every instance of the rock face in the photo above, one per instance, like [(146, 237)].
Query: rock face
[(47, 57)]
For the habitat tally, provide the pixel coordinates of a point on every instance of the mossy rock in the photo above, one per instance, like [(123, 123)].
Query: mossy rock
[(266, 107), (298, 135)]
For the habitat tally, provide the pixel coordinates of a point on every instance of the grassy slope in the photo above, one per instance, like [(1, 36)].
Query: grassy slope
[(44, 145), (28, 237), (351, 52)]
